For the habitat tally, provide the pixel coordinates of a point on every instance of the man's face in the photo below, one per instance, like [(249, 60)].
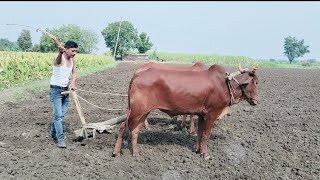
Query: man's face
[(71, 52)]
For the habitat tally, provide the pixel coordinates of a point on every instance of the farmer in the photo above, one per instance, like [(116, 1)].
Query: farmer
[(64, 65)]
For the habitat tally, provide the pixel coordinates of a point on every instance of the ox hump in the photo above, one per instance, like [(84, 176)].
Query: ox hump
[(217, 68)]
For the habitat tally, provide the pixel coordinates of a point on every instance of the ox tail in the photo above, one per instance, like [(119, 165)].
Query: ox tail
[(124, 128), (123, 136)]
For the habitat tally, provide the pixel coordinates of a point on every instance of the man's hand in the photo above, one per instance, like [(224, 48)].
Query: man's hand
[(72, 86), (61, 49)]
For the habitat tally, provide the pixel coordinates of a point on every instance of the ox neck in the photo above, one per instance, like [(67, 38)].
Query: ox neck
[(234, 96)]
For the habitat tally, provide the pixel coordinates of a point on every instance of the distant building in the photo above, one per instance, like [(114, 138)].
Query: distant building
[(135, 57)]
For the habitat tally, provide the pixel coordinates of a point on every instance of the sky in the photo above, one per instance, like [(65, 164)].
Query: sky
[(239, 28)]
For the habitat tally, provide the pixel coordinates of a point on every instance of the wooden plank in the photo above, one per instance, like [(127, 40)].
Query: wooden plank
[(113, 121), (76, 102), (102, 126)]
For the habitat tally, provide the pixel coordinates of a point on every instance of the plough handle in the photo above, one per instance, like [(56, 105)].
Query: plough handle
[(57, 41), (65, 92)]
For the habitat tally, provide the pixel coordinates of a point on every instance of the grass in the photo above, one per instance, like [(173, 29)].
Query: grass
[(287, 65), (25, 91)]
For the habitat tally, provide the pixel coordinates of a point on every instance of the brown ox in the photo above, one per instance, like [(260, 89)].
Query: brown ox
[(208, 94), (196, 67)]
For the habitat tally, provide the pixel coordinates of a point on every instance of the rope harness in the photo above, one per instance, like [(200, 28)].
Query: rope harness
[(114, 94), (231, 91), (229, 77)]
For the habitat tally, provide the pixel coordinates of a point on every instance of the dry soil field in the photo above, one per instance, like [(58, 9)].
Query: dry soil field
[(277, 139)]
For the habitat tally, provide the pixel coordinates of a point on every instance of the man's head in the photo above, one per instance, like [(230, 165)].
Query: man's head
[(71, 48)]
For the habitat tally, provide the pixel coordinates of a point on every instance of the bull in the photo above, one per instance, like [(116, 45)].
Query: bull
[(208, 94)]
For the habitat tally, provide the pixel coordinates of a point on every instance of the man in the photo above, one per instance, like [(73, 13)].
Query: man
[(64, 65)]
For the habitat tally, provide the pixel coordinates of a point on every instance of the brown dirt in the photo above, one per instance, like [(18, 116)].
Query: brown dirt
[(277, 139)]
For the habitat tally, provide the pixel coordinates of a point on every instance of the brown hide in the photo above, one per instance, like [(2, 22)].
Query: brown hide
[(204, 93), (178, 92), (198, 66)]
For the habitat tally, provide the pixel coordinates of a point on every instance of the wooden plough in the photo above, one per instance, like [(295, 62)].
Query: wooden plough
[(107, 125)]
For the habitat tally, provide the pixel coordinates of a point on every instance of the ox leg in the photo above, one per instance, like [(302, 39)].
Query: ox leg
[(192, 129), (135, 129), (183, 123), (200, 130), (208, 124), (117, 148)]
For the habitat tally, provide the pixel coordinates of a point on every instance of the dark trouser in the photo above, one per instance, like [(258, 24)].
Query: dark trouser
[(60, 104)]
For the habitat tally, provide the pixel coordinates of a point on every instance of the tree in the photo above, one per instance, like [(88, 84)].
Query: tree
[(294, 48), (86, 39), (143, 44), (128, 36), (6, 45), (24, 40), (36, 48)]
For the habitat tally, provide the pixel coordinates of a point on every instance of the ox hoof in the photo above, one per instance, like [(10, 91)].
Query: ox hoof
[(207, 157), (136, 154), (196, 149), (116, 155)]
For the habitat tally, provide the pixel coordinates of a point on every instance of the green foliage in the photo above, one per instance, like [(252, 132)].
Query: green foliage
[(306, 64), (20, 67), (36, 48), (6, 45), (128, 36), (312, 61), (86, 39), (47, 44), (184, 58), (153, 55), (25, 41), (143, 44), (294, 48)]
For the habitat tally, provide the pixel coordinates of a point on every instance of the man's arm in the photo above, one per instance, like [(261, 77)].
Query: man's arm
[(74, 76), (58, 58)]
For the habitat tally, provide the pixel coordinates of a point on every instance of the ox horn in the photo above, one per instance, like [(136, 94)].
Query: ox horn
[(234, 74), (243, 70), (240, 68), (255, 68)]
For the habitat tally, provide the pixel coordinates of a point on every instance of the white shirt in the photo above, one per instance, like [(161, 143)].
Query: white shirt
[(61, 74)]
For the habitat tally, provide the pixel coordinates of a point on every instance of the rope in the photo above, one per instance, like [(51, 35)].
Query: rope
[(115, 94), (99, 106), (229, 78)]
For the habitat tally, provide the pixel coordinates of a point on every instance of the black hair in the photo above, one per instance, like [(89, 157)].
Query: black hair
[(71, 44)]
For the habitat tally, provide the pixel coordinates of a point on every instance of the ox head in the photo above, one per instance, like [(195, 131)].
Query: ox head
[(248, 82)]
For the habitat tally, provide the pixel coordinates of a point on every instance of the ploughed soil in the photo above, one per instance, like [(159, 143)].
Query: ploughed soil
[(277, 139)]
